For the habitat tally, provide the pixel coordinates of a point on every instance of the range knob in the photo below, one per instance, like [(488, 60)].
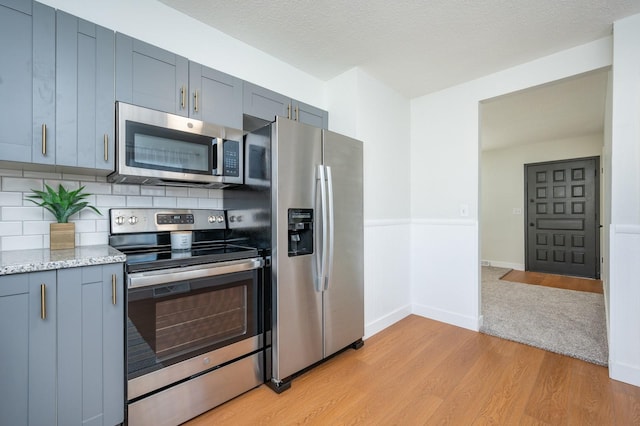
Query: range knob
[(211, 219), (133, 220), (220, 219), (119, 220), (239, 219), (232, 218)]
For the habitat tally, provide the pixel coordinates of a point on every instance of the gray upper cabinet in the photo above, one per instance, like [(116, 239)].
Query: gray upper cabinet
[(215, 97), (155, 78), (151, 77), (63, 350), (27, 76), (28, 350), (57, 88), (266, 104), (85, 95)]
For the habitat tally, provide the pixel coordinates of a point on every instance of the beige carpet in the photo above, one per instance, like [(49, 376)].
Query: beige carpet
[(567, 322)]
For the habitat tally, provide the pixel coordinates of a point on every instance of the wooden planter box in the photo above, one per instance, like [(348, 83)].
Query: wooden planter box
[(62, 236)]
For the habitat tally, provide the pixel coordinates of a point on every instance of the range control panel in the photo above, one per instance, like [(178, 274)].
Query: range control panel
[(129, 221)]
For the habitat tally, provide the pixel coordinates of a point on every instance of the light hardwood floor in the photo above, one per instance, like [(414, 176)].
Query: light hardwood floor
[(423, 372), (551, 280)]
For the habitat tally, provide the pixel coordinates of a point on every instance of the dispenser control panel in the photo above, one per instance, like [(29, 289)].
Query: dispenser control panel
[(300, 230)]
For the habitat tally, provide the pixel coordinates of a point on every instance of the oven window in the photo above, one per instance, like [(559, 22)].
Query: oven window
[(173, 322)]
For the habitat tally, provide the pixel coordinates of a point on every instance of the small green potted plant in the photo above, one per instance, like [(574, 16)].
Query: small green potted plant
[(62, 204)]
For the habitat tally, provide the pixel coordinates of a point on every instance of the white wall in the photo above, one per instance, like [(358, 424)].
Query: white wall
[(379, 116), (502, 190), (156, 23), (445, 181), (624, 285)]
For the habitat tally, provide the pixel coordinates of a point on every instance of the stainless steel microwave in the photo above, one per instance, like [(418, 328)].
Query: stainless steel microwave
[(158, 148)]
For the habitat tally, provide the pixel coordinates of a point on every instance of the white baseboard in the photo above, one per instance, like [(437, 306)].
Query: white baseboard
[(624, 373), (452, 318), (381, 323), (499, 264)]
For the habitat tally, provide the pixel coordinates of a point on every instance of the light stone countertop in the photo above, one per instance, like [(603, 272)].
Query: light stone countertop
[(20, 261)]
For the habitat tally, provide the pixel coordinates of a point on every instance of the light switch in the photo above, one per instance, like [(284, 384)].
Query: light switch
[(464, 210)]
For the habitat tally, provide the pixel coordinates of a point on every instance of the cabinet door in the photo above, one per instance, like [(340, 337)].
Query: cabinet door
[(215, 97), (264, 103), (28, 350), (90, 346), (151, 77), (311, 115), (84, 94), (27, 110)]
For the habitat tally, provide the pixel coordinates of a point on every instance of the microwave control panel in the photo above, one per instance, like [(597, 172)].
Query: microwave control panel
[(231, 160)]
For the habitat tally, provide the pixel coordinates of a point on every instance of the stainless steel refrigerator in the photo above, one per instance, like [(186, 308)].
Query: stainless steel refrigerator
[(317, 247)]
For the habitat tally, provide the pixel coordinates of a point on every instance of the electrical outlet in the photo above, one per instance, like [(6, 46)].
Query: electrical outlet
[(485, 263), (517, 210)]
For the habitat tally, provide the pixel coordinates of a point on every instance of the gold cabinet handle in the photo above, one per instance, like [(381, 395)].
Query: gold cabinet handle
[(114, 290), (195, 101), (44, 139), (183, 97), (297, 118), (106, 147), (289, 111), (43, 301)]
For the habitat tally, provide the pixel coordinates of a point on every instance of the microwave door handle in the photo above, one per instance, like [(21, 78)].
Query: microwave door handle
[(217, 167)]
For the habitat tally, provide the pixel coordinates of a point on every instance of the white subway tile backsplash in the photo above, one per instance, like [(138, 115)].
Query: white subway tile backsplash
[(93, 238), (23, 242), (152, 191), (198, 192), (111, 201), (168, 202), (42, 175), (209, 204), (23, 225), (96, 187), (102, 225), (139, 201), (125, 189), (35, 227), (11, 199), (84, 226), (19, 184), (10, 228), (10, 172), (171, 191), (188, 203), (23, 213)]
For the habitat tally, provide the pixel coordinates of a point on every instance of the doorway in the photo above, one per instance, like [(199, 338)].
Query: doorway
[(561, 217)]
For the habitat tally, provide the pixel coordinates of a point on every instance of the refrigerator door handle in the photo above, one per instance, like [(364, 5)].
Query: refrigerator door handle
[(321, 260), (331, 227)]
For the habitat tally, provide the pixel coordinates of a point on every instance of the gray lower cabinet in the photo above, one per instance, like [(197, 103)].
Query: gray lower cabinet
[(85, 94), (27, 82), (266, 104), (62, 365)]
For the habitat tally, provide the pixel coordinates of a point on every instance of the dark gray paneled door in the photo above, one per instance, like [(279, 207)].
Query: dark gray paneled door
[(562, 225)]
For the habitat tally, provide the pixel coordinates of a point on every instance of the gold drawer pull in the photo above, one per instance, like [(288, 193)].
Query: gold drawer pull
[(43, 301)]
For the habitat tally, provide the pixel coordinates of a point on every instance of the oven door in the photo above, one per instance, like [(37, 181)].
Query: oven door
[(185, 321)]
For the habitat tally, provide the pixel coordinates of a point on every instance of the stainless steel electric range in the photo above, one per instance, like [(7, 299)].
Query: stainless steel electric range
[(195, 321)]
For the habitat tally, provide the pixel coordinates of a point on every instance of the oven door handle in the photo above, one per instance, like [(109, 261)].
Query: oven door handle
[(165, 276)]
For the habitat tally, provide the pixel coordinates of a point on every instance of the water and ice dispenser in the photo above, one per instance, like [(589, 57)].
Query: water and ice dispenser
[(300, 232)]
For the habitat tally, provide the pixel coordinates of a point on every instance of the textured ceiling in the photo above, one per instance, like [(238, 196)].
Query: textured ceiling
[(414, 46)]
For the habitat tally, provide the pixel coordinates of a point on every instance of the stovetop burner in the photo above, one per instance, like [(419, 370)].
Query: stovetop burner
[(139, 260)]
